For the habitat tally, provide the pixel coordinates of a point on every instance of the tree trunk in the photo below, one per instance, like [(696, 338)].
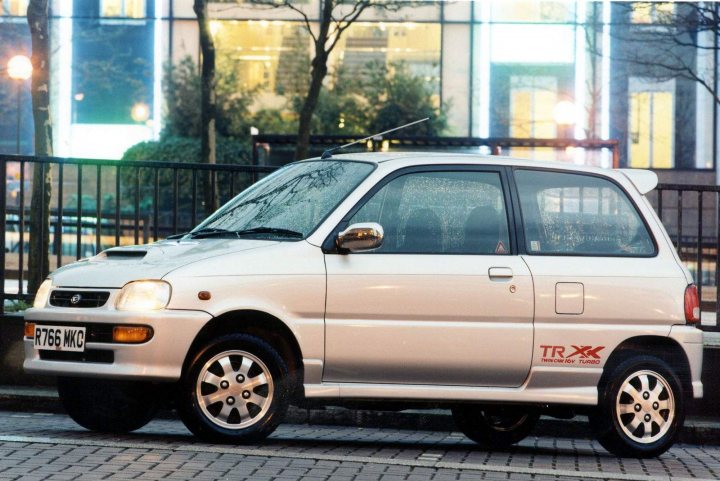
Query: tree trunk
[(317, 75), (207, 104), (38, 262), (319, 71)]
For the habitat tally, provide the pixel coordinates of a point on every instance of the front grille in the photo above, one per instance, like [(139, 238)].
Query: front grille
[(91, 355), (73, 298)]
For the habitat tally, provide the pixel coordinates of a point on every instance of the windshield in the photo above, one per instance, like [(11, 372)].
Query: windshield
[(289, 203)]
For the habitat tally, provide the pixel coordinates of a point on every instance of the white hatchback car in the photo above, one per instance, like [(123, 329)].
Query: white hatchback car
[(496, 287)]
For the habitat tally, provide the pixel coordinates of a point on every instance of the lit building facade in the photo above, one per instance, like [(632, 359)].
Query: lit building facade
[(505, 68)]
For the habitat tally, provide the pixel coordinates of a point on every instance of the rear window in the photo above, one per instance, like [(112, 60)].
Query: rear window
[(576, 214)]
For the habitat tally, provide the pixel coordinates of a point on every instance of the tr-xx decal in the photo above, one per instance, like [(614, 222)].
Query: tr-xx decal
[(571, 355)]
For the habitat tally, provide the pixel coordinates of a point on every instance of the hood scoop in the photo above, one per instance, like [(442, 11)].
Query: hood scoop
[(124, 254)]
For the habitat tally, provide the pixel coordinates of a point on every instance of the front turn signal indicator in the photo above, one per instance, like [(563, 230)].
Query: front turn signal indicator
[(132, 334), (29, 330), (692, 305)]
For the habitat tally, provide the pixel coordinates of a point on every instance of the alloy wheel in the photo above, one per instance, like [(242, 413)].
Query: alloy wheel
[(234, 389), (645, 407)]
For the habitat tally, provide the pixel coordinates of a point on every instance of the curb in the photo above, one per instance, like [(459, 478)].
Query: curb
[(697, 430)]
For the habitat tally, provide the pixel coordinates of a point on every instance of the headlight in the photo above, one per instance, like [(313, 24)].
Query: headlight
[(143, 296), (43, 292)]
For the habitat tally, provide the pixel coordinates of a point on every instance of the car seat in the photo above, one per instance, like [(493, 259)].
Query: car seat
[(423, 232)]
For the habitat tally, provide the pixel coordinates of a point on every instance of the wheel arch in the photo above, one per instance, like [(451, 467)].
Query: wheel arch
[(663, 348), (257, 323)]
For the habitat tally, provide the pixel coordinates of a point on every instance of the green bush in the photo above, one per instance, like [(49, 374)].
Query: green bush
[(185, 150)]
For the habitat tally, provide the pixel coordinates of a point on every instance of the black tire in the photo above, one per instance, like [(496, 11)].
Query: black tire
[(108, 406), (653, 398), (233, 417), (496, 426)]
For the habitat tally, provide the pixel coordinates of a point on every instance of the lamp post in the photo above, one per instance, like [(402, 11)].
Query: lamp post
[(19, 68)]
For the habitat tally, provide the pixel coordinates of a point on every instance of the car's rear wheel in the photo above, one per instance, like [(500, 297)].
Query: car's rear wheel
[(235, 390), (108, 406), (495, 426), (640, 410)]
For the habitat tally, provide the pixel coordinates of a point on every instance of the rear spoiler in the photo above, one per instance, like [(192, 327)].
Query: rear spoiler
[(643, 180)]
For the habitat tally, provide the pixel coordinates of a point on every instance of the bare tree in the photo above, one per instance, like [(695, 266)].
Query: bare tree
[(38, 263), (208, 104), (336, 16), (669, 46)]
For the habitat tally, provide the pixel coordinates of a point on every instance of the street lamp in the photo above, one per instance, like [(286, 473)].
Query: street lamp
[(140, 112), (564, 113), (19, 68)]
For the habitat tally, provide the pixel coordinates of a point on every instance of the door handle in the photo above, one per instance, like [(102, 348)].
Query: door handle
[(500, 273)]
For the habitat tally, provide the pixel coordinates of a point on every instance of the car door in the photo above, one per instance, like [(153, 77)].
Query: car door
[(595, 267), (445, 300)]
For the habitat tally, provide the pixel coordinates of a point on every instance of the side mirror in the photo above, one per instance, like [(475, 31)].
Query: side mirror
[(360, 237)]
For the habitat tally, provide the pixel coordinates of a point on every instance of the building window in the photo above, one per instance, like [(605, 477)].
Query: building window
[(532, 100), (532, 11), (652, 12), (415, 45), (651, 127), (122, 8), (16, 8), (275, 55)]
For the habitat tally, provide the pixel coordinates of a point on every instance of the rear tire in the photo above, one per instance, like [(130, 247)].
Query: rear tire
[(108, 406), (640, 410), (496, 426)]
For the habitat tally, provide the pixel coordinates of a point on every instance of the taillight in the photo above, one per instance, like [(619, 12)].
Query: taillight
[(692, 304)]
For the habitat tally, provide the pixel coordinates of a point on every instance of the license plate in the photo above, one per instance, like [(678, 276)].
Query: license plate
[(60, 338)]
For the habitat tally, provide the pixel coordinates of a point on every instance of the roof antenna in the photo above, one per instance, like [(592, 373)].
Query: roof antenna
[(328, 153)]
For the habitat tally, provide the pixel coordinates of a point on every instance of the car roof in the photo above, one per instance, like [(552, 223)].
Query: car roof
[(643, 180), (452, 157)]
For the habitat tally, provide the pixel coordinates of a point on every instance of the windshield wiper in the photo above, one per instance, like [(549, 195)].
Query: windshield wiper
[(213, 232), (270, 230), (200, 232)]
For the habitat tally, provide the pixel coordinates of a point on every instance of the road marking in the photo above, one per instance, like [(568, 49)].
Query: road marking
[(420, 463)]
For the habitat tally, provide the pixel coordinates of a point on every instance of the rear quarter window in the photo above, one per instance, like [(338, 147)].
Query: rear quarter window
[(577, 214)]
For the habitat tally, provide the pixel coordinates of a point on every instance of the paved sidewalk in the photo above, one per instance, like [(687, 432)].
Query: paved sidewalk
[(698, 430), (41, 446)]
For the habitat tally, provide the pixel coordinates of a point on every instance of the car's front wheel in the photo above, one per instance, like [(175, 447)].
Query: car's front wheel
[(640, 410), (235, 390), (106, 405), (495, 426)]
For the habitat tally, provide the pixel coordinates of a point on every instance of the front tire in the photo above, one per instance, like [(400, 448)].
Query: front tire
[(495, 426), (236, 389), (640, 410), (108, 406)]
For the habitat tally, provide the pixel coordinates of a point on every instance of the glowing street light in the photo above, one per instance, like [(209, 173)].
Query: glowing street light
[(140, 112), (565, 113), (19, 68)]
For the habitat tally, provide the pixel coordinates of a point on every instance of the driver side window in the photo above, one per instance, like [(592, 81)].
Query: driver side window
[(453, 212)]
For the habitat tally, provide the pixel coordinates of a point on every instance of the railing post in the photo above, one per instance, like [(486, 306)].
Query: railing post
[(117, 205), (98, 209), (21, 229), (717, 263), (3, 209), (59, 220), (78, 221)]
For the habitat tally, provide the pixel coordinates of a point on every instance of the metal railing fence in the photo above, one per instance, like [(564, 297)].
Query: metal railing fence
[(96, 204)]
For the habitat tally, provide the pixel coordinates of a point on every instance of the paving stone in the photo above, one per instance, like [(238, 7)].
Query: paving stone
[(165, 450)]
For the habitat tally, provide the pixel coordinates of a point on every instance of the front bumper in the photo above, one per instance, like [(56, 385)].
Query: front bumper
[(159, 359)]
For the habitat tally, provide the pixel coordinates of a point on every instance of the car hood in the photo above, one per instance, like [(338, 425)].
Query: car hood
[(116, 267)]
